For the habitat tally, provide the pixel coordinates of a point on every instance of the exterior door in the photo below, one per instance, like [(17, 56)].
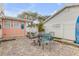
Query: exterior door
[(77, 31)]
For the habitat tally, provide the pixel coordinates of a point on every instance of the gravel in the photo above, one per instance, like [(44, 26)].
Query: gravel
[(23, 47)]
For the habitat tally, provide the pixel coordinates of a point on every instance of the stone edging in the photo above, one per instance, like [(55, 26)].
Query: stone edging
[(67, 42)]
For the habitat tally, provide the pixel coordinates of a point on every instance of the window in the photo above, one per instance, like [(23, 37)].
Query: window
[(56, 25), (7, 24), (22, 26), (16, 25), (0, 26)]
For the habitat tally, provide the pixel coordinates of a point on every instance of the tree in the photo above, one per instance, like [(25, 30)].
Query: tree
[(40, 27), (32, 16)]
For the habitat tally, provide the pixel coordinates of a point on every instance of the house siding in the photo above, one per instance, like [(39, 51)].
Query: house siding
[(67, 21), (9, 30)]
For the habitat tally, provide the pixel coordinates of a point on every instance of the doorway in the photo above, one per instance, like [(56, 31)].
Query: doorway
[(77, 31)]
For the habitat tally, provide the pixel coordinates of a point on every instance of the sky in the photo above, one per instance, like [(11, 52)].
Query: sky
[(13, 9)]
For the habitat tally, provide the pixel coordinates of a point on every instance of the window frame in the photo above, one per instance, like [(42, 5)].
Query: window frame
[(7, 24)]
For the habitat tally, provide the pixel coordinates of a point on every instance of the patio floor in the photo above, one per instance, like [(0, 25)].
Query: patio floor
[(23, 47)]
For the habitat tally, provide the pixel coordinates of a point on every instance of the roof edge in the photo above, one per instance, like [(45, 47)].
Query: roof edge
[(13, 18), (60, 10)]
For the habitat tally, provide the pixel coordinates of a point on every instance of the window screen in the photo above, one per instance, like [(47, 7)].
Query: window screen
[(7, 24)]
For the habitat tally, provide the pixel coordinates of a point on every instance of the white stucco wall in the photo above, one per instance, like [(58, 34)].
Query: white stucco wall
[(66, 20)]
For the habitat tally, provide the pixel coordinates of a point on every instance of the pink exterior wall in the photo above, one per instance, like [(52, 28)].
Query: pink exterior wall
[(12, 32)]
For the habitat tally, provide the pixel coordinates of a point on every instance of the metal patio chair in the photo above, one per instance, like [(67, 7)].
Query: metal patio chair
[(46, 39)]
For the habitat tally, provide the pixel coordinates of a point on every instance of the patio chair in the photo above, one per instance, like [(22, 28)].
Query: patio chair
[(46, 39)]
